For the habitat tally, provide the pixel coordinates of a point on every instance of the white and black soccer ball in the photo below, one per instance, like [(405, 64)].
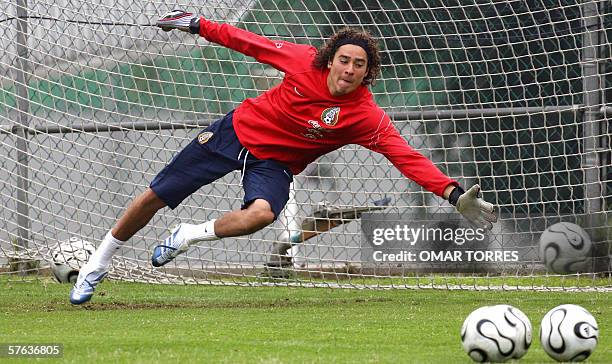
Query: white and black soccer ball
[(496, 334), (569, 333), (566, 248), (68, 258)]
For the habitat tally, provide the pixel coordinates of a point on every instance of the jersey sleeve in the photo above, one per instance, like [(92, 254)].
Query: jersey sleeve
[(385, 139), (284, 56)]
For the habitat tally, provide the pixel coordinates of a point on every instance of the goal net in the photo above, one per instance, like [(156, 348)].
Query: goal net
[(513, 95)]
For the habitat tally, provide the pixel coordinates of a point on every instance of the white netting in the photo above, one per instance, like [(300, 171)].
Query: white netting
[(513, 95)]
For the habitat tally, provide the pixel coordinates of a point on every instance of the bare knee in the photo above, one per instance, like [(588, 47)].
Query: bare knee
[(150, 201), (259, 215), (263, 217), (242, 222)]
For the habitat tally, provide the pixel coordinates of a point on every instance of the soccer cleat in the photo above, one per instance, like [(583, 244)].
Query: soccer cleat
[(84, 290), (174, 245), (176, 19)]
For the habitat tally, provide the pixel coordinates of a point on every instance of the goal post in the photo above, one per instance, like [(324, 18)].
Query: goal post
[(514, 96)]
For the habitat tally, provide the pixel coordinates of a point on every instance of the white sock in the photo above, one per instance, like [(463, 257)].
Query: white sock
[(201, 232), (103, 256)]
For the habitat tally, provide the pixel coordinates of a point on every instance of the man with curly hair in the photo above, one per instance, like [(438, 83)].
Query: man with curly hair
[(322, 104)]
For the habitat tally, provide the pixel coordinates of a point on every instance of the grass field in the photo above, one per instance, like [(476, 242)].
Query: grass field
[(141, 323)]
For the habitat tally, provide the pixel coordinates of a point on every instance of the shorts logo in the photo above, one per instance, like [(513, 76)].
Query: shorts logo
[(203, 137), (330, 116)]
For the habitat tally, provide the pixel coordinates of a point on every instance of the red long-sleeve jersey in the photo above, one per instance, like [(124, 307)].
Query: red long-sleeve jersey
[(299, 120)]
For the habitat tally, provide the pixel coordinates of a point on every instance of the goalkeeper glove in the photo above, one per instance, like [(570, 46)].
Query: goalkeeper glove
[(181, 20), (473, 208)]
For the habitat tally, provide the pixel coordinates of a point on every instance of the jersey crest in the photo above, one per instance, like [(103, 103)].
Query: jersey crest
[(330, 116)]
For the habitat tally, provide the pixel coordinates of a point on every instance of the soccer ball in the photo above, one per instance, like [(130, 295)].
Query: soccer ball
[(68, 257), (569, 333), (496, 334), (566, 248)]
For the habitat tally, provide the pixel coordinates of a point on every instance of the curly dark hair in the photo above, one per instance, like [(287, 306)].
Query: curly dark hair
[(326, 52)]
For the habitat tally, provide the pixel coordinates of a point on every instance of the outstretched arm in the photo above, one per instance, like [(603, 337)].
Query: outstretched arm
[(420, 169), (284, 56)]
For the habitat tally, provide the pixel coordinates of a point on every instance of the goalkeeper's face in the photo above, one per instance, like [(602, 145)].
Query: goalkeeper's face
[(347, 69)]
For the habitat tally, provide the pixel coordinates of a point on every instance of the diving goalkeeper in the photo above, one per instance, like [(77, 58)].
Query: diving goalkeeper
[(322, 104)]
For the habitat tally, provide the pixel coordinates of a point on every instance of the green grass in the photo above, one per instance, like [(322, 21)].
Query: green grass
[(141, 323)]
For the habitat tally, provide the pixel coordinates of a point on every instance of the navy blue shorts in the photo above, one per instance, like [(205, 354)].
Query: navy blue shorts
[(214, 153)]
